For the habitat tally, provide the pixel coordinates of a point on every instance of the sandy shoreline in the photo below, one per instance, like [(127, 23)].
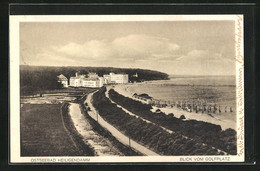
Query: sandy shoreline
[(224, 123)]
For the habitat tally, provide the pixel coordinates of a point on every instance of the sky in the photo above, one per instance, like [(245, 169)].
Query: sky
[(173, 47)]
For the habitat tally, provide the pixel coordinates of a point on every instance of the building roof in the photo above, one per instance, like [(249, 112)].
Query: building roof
[(62, 78), (90, 79), (78, 77), (92, 75)]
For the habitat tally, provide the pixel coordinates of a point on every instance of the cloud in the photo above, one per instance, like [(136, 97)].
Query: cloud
[(93, 49), (136, 50), (51, 59), (204, 55), (145, 47), (131, 47)]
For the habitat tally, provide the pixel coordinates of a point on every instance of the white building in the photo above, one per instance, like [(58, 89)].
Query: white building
[(77, 80), (135, 75), (107, 78), (116, 78), (93, 80), (63, 80)]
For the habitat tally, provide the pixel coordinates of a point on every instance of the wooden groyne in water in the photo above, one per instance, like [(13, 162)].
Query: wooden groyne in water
[(198, 106)]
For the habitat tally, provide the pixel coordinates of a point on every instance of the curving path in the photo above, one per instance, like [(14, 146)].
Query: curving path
[(101, 145), (116, 133)]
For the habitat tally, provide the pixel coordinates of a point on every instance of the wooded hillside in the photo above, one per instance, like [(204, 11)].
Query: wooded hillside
[(39, 78)]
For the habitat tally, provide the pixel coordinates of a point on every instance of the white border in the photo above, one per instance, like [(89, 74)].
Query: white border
[(15, 91)]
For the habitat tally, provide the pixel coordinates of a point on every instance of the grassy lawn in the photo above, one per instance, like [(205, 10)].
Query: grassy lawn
[(43, 133)]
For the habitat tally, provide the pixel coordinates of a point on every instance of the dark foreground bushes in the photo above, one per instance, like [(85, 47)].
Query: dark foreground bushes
[(204, 132), (152, 136)]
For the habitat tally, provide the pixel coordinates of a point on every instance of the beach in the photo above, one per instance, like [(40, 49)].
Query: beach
[(225, 120)]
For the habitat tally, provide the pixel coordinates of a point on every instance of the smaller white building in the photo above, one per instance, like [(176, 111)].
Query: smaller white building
[(116, 78), (63, 80)]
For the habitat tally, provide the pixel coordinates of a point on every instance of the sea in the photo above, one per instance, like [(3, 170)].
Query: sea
[(220, 90)]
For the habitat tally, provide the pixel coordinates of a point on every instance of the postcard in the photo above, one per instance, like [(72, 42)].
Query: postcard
[(126, 88)]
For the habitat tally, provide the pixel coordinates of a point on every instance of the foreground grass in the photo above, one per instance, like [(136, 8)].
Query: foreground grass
[(43, 132)]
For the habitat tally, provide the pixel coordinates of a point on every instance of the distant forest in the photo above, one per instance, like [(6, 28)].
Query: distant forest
[(35, 79)]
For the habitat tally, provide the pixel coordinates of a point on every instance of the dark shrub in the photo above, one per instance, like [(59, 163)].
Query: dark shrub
[(229, 132), (158, 110), (182, 117), (171, 115)]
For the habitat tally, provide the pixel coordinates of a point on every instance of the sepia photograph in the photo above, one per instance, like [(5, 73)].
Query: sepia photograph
[(121, 88)]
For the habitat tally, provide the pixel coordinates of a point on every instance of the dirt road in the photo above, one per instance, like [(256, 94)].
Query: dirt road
[(116, 133), (101, 145)]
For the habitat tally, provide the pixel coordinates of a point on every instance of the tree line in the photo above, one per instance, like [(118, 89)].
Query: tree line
[(34, 79), (35, 82)]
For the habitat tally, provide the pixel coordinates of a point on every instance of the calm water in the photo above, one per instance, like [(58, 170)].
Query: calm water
[(219, 90)]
